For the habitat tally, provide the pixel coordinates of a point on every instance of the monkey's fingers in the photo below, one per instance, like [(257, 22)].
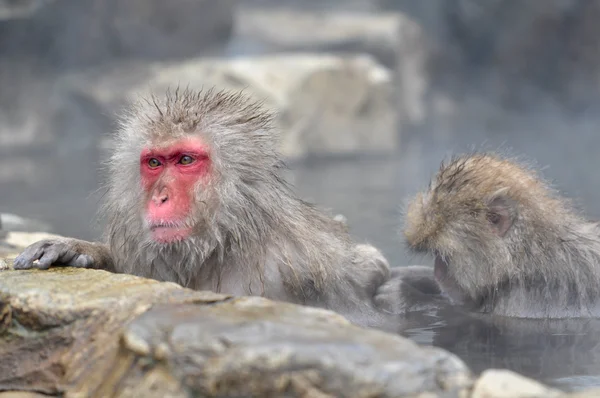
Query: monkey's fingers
[(49, 256), (48, 253), (26, 259), (62, 254)]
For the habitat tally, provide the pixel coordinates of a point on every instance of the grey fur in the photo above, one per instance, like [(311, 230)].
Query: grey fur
[(253, 235), (547, 265)]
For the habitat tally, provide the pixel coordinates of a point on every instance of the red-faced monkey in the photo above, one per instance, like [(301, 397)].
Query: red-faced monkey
[(195, 196), (505, 242)]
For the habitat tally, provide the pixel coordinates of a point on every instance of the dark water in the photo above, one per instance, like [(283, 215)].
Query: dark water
[(370, 193), (565, 354)]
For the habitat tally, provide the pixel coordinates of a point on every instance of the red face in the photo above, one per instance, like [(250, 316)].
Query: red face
[(169, 175)]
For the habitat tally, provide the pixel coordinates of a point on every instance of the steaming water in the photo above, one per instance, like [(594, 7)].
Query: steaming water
[(370, 192)]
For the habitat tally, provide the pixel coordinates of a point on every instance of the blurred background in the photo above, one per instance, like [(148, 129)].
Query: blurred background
[(371, 94)]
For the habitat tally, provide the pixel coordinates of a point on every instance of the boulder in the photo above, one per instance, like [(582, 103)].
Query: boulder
[(289, 30), (96, 334), (60, 329), (326, 104), (394, 39), (506, 384)]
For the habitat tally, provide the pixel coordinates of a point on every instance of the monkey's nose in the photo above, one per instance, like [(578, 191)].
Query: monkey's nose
[(160, 197)]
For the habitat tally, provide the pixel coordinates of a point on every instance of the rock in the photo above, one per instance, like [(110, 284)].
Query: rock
[(290, 30), (21, 394), (507, 384), (326, 104), (254, 347), (60, 327), (393, 39), (79, 333)]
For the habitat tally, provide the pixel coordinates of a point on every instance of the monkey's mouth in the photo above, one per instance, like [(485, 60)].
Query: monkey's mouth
[(440, 268), (167, 233)]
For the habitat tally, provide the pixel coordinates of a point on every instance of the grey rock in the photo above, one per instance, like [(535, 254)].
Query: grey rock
[(73, 332), (253, 347), (395, 40), (507, 384), (60, 330), (326, 104), (96, 334)]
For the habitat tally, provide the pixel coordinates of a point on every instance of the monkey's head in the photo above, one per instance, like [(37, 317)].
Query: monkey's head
[(191, 166), (477, 218)]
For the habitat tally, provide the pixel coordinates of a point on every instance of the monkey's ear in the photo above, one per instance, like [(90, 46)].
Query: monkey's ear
[(502, 212)]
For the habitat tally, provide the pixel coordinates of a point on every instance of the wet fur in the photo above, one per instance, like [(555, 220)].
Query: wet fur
[(252, 234), (547, 264)]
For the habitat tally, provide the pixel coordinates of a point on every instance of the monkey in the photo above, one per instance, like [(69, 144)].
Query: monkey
[(505, 242), (194, 195)]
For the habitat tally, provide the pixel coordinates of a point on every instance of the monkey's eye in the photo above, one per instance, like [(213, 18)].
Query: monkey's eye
[(153, 163), (186, 159)]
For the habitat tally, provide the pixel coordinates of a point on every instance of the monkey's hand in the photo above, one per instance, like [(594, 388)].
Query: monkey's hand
[(410, 288), (63, 251)]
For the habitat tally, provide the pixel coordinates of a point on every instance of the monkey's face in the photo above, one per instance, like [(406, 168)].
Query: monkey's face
[(171, 174)]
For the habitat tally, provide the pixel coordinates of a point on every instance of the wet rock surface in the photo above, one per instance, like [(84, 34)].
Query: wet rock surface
[(59, 330), (92, 333), (255, 347), (89, 333)]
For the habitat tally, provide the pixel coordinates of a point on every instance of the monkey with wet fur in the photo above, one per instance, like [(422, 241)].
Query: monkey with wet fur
[(505, 242), (195, 196)]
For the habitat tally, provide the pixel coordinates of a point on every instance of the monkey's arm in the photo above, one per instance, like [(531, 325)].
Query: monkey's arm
[(368, 292), (65, 251), (409, 288), (419, 277)]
